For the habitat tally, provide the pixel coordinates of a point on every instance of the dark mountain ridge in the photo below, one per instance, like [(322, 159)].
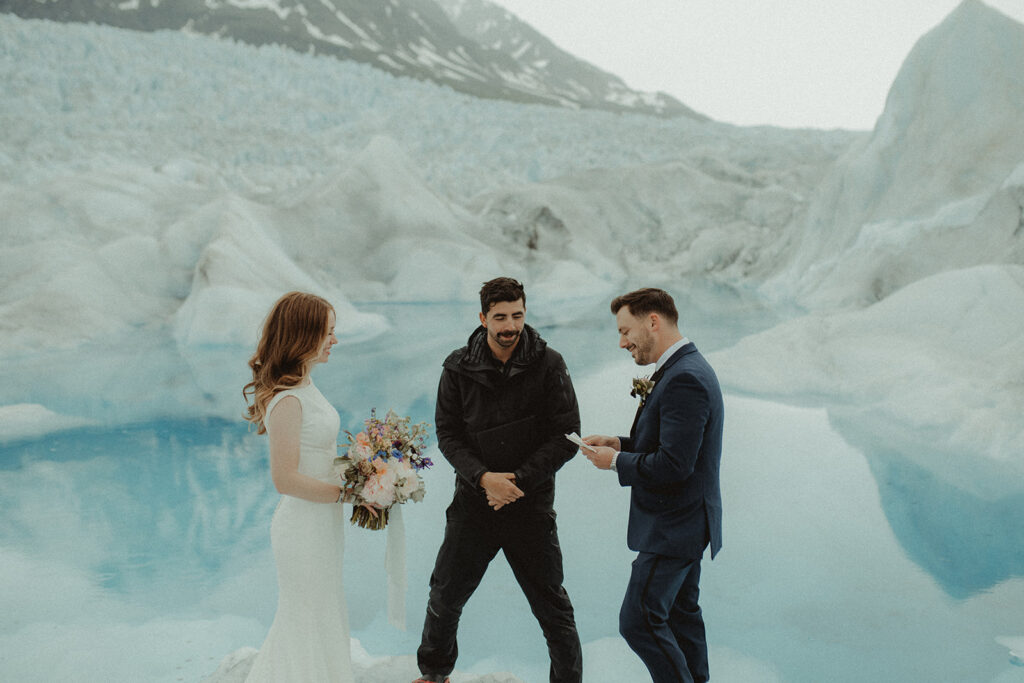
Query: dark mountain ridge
[(472, 46)]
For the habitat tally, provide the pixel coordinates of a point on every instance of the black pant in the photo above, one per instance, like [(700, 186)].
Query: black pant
[(472, 537)]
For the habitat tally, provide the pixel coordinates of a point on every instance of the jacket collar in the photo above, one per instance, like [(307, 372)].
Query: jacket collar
[(478, 354), (670, 351), (684, 350)]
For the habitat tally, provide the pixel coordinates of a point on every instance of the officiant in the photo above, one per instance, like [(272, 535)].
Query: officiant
[(504, 404)]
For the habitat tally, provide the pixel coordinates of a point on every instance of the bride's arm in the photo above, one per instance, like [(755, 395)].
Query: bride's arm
[(285, 426)]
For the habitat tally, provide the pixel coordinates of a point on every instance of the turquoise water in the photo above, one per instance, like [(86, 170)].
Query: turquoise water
[(138, 549)]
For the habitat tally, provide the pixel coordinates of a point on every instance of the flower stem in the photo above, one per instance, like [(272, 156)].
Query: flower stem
[(362, 518)]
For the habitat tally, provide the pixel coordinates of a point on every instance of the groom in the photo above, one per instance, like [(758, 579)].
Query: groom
[(504, 405), (670, 460)]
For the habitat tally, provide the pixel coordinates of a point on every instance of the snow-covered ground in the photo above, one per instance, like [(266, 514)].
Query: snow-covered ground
[(168, 186)]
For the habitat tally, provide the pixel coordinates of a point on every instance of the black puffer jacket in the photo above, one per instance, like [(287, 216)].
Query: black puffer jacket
[(514, 419)]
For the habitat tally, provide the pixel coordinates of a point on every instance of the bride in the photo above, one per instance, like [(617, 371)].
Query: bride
[(309, 639)]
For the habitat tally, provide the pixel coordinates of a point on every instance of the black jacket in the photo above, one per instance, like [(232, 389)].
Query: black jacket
[(491, 418)]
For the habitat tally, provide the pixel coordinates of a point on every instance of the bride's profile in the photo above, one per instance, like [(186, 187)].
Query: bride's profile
[(309, 638)]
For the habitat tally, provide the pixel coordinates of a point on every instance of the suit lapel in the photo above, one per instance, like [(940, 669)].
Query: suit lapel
[(688, 348), (643, 401)]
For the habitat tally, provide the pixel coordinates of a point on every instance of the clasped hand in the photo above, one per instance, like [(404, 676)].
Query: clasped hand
[(500, 488)]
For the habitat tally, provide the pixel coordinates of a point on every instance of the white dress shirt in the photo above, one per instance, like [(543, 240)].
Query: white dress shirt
[(669, 351)]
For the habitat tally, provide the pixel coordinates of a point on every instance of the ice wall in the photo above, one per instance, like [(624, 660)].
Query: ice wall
[(938, 183), (175, 184), (934, 371), (909, 261)]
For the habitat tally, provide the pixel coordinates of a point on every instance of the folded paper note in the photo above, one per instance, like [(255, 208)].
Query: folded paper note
[(575, 438)]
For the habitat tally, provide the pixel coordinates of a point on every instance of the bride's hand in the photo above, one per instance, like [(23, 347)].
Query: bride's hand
[(372, 509)]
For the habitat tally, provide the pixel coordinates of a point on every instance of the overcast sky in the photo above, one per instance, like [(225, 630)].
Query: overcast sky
[(793, 63)]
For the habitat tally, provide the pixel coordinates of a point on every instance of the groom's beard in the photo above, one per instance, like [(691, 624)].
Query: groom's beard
[(506, 339), (643, 350)]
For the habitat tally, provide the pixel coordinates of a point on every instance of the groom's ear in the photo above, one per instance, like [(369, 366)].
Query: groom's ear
[(483, 320), (654, 321)]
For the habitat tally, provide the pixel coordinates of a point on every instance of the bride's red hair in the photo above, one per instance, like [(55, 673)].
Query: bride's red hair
[(293, 334)]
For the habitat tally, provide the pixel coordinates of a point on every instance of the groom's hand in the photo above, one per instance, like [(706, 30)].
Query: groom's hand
[(601, 440), (601, 456), (500, 488)]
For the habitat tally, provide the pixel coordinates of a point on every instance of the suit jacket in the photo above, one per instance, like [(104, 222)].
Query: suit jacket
[(671, 460)]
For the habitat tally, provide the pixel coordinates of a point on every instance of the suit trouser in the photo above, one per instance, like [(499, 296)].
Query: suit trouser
[(529, 540), (661, 620)]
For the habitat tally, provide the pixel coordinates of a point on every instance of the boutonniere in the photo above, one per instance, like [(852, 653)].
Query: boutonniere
[(642, 387)]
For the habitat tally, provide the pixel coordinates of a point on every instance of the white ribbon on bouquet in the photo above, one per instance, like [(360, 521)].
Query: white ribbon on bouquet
[(394, 567)]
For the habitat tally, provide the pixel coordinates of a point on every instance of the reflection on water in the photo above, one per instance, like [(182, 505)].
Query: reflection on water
[(967, 543), (964, 531), (166, 503)]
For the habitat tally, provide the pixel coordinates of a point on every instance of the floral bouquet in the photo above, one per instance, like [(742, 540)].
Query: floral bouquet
[(381, 467)]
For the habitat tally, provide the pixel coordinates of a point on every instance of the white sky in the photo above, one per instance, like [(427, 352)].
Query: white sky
[(793, 63)]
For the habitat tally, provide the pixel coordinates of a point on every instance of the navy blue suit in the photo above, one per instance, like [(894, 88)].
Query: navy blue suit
[(671, 461)]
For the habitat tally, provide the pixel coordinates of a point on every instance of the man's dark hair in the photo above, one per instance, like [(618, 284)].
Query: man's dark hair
[(646, 301), (500, 289)]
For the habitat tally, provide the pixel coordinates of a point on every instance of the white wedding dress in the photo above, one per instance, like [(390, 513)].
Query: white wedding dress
[(309, 639)]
